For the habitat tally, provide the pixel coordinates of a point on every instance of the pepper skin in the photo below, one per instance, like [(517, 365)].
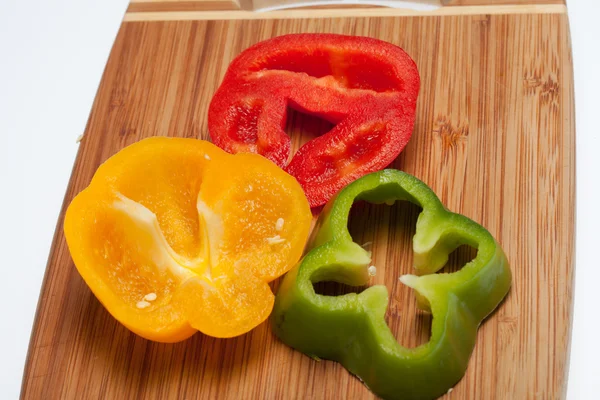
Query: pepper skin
[(367, 87), (351, 329), (175, 236)]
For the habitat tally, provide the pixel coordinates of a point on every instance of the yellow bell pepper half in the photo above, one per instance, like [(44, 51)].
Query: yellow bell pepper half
[(175, 236)]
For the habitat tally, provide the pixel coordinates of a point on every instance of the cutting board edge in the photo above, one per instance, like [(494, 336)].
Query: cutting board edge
[(56, 241), (301, 13)]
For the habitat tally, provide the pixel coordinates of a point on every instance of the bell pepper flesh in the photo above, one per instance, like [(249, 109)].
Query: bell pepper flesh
[(351, 329), (175, 236), (367, 87)]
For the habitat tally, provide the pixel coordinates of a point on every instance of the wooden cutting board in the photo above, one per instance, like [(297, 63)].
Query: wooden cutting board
[(494, 137)]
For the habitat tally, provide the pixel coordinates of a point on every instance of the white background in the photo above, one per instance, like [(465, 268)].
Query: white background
[(52, 55)]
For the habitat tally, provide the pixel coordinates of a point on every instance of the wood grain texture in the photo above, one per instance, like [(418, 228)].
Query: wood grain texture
[(494, 137)]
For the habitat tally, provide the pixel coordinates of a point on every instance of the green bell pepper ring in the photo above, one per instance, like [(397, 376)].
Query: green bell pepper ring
[(351, 328)]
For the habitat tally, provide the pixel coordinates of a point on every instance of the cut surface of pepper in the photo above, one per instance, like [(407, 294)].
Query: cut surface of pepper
[(173, 237), (351, 328), (365, 86)]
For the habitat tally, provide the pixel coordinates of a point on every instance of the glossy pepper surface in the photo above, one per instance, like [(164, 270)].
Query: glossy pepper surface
[(367, 87), (351, 328), (175, 236)]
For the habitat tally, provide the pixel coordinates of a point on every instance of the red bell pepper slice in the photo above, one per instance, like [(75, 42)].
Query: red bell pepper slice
[(367, 87)]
